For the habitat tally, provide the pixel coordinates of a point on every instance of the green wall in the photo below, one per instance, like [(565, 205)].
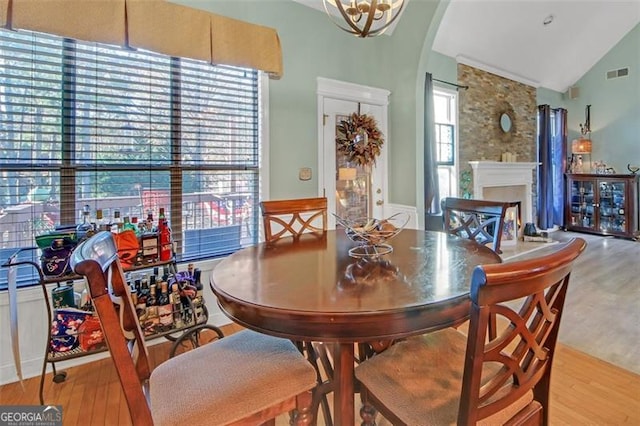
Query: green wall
[(550, 97), (615, 105), (313, 46)]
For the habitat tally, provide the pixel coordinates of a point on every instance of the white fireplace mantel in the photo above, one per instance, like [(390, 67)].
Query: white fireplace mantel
[(495, 174)]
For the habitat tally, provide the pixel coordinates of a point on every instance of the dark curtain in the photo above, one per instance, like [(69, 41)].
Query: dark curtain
[(431, 191), (552, 154)]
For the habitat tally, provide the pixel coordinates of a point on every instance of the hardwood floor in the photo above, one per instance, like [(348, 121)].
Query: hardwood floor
[(584, 391), (601, 319), (602, 312)]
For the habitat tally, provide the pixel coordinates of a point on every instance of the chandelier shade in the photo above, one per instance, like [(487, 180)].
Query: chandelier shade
[(363, 18)]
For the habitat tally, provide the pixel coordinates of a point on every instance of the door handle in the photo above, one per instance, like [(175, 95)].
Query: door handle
[(379, 203)]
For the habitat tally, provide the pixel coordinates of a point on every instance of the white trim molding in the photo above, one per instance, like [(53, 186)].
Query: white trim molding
[(508, 174), (337, 89)]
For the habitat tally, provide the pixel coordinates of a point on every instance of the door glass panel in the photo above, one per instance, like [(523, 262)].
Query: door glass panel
[(582, 204), (612, 212), (352, 185)]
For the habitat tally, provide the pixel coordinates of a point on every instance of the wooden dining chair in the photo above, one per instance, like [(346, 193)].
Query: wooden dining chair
[(445, 377), (284, 218), (295, 218), (245, 378), (479, 220)]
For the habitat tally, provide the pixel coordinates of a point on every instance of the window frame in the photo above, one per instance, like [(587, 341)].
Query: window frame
[(69, 168), (450, 168)]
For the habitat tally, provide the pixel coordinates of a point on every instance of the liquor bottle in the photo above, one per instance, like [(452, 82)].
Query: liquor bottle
[(164, 237), (190, 271), (198, 301), (104, 223), (151, 299), (149, 243), (149, 221), (176, 305), (152, 320), (141, 298), (116, 225), (84, 229), (127, 225), (134, 225), (197, 274), (165, 310)]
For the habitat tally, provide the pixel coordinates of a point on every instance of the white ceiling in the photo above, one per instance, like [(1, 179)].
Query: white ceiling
[(508, 38)]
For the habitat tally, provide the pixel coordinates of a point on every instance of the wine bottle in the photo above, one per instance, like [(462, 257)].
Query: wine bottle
[(176, 305), (165, 310), (151, 299), (152, 320)]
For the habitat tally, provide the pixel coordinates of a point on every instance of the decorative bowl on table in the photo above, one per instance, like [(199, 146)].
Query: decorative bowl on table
[(372, 235)]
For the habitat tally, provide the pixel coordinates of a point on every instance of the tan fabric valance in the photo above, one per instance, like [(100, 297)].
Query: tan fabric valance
[(155, 25), (169, 28), (245, 44)]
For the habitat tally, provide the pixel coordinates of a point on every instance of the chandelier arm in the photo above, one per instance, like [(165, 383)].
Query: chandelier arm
[(382, 29), (354, 28), (370, 16)]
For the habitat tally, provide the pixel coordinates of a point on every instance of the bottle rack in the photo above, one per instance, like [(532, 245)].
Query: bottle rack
[(189, 333)]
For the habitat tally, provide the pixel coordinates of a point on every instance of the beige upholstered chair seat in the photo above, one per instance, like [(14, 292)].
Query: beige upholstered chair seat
[(420, 379), (198, 388)]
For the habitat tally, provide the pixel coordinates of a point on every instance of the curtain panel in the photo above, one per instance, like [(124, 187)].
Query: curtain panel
[(431, 185), (155, 25), (552, 153)]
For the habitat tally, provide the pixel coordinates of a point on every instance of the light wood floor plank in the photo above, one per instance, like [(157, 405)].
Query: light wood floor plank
[(584, 391)]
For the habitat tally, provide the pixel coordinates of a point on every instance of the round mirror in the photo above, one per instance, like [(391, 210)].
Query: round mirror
[(505, 122)]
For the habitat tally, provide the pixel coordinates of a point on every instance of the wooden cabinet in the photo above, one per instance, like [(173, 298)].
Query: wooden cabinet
[(603, 204)]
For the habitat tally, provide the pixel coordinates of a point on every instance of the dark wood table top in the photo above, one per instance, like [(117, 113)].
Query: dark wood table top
[(313, 290)]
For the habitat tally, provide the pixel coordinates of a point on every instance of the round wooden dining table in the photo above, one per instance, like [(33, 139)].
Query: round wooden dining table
[(310, 289)]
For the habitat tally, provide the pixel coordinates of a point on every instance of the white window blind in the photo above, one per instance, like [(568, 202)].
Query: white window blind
[(128, 130)]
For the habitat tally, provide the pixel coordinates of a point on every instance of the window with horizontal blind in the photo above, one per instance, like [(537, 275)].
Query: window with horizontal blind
[(445, 102), (86, 124)]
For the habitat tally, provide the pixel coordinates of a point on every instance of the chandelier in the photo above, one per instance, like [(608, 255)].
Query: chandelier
[(364, 18)]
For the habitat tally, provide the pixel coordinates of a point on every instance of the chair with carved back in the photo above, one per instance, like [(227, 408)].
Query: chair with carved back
[(245, 378), (283, 218), (297, 218), (446, 377), (479, 220)]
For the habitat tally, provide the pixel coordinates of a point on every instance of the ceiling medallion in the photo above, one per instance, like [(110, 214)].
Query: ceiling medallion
[(364, 18)]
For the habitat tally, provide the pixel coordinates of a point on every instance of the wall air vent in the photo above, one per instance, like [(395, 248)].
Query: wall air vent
[(622, 72)]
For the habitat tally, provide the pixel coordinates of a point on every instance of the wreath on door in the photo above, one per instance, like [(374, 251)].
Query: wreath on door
[(359, 139)]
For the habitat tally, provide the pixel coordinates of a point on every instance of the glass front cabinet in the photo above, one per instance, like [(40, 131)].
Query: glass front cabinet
[(603, 204)]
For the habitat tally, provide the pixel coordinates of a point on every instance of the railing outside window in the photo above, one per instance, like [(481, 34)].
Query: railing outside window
[(128, 130)]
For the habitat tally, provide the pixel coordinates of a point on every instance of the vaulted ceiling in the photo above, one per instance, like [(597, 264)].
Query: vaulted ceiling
[(510, 38)]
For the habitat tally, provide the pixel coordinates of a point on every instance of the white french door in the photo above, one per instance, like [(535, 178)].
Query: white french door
[(352, 191)]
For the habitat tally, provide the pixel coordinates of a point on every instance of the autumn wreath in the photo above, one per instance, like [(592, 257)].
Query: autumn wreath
[(359, 139)]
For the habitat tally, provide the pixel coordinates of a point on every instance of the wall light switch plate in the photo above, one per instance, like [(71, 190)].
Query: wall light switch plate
[(305, 173)]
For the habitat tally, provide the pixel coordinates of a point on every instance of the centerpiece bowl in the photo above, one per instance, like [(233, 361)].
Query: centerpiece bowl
[(372, 235)]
